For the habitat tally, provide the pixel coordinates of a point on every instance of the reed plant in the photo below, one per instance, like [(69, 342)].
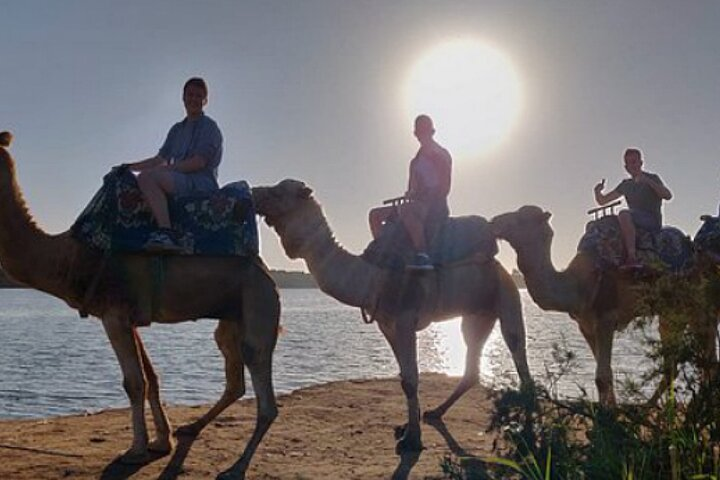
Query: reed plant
[(672, 434)]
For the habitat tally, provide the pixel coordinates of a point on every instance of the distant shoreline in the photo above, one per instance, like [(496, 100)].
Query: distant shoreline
[(283, 279)]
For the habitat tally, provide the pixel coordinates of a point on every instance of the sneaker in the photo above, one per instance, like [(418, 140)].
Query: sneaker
[(162, 241), (421, 262)]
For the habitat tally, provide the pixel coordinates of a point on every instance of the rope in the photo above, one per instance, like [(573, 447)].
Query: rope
[(38, 450)]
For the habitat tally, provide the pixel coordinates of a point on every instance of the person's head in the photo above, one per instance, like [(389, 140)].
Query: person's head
[(195, 93), (424, 129), (633, 161)]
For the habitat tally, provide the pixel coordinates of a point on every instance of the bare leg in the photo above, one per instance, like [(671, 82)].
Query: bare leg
[(155, 185), (126, 349), (162, 443), (476, 329), (228, 339), (627, 228), (413, 215)]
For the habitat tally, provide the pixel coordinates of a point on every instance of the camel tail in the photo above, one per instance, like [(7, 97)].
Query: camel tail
[(5, 139)]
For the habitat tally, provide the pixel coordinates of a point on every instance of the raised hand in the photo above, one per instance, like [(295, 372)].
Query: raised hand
[(600, 186)]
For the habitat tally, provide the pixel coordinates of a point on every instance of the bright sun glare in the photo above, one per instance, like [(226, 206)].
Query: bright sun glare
[(470, 90)]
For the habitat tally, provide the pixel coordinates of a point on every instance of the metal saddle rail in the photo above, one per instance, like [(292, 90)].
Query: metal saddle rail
[(397, 201), (604, 211)]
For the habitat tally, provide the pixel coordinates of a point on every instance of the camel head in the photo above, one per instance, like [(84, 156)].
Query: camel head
[(290, 209), (525, 226), (5, 139)]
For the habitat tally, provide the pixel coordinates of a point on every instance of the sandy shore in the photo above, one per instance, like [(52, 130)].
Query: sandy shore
[(341, 430)]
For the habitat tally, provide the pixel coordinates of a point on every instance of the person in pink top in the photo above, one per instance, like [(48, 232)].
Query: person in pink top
[(426, 195)]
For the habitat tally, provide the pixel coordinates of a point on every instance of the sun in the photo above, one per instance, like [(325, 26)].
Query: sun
[(470, 90)]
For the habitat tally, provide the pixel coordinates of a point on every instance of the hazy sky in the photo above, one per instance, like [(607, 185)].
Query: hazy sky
[(314, 90)]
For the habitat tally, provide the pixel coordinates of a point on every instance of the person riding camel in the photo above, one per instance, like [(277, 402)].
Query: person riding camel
[(425, 200), (644, 193)]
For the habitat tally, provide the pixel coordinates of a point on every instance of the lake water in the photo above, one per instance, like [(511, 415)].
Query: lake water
[(54, 363)]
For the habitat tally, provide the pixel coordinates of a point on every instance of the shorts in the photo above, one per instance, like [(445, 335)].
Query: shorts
[(645, 220)]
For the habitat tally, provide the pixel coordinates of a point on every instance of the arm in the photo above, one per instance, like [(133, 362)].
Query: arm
[(189, 165), (147, 163), (605, 198), (656, 184)]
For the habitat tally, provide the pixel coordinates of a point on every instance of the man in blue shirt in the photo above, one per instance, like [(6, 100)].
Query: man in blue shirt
[(186, 163), (644, 193)]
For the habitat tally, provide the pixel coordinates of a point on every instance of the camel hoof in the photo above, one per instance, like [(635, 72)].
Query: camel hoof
[(161, 446), (131, 457), (190, 430), (408, 444), (229, 475)]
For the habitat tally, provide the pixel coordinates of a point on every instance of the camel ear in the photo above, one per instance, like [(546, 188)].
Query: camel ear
[(547, 216)]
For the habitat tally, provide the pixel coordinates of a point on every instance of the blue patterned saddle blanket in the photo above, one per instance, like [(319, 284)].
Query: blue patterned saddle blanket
[(668, 250), (117, 219)]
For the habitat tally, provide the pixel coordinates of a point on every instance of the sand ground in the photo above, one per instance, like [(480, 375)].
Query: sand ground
[(340, 430)]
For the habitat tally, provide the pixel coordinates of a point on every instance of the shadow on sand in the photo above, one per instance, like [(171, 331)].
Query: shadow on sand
[(473, 464), (116, 470)]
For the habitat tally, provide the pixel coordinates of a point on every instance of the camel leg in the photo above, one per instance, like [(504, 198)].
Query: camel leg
[(402, 340), (124, 343), (162, 442), (603, 371), (259, 363), (669, 365), (512, 327), (589, 334), (227, 338), (476, 329)]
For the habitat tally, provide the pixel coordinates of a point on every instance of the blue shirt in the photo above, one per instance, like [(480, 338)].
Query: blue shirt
[(200, 136)]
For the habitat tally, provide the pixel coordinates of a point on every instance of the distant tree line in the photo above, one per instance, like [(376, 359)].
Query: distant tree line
[(283, 279)]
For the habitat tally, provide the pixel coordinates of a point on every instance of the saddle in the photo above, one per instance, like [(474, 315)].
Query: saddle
[(707, 238), (667, 250), (117, 219), (450, 240)]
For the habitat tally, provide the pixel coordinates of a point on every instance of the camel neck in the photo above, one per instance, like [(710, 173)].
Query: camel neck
[(24, 247), (340, 274), (550, 289)]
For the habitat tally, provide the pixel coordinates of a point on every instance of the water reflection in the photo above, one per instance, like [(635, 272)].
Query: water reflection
[(442, 349)]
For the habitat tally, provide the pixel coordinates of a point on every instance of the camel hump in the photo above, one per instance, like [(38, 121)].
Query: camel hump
[(456, 239), (5, 139)]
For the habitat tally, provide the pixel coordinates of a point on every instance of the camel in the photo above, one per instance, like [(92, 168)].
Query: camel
[(237, 291), (481, 291), (601, 302)]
